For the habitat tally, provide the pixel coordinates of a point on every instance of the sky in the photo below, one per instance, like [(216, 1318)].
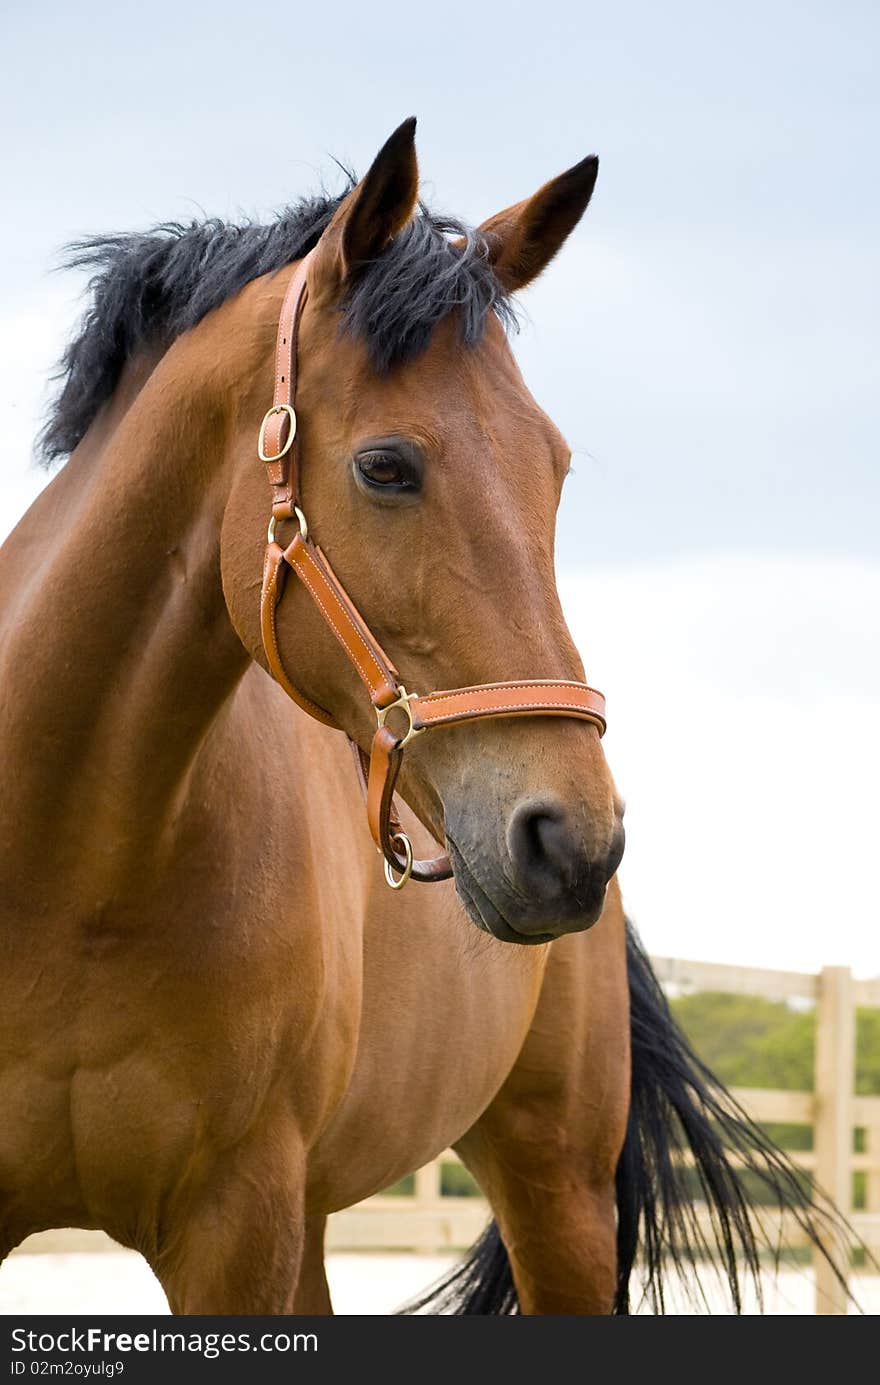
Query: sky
[(707, 341)]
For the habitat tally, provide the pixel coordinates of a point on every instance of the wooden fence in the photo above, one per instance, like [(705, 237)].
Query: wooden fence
[(428, 1220)]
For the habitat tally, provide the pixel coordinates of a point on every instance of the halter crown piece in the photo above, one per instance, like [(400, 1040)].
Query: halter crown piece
[(278, 449)]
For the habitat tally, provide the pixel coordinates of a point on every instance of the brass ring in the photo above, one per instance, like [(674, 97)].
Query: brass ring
[(398, 884), (261, 440), (404, 701), (300, 519)]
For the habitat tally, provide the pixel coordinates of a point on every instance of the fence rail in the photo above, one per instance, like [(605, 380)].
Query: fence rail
[(430, 1220)]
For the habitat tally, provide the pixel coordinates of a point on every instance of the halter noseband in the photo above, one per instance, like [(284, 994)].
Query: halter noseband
[(378, 772)]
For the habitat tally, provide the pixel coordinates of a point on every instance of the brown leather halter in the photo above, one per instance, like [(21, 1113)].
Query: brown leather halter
[(277, 447)]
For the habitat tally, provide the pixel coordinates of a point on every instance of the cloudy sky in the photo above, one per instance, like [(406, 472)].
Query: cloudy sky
[(708, 342)]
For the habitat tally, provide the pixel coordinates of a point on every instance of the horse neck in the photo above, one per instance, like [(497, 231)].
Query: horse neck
[(116, 648)]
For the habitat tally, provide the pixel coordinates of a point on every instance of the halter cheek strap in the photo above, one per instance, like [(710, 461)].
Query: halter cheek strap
[(378, 772)]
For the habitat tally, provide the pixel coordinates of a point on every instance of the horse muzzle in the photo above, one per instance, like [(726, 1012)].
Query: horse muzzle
[(550, 878)]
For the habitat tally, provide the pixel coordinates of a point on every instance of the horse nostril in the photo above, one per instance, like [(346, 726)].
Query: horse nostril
[(542, 849)]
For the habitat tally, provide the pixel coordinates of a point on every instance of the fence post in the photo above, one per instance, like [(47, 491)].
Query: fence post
[(427, 1193), (835, 1081)]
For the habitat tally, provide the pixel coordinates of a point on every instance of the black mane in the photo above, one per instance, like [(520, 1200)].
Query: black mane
[(148, 288)]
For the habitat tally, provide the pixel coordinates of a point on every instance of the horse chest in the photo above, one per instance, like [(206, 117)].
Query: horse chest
[(444, 1016)]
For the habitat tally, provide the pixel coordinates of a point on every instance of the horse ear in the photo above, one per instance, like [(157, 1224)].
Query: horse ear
[(524, 238), (373, 213)]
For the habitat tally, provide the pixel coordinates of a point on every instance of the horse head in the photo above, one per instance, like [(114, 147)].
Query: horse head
[(431, 479)]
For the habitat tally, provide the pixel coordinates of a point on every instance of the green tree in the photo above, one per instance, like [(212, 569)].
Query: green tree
[(868, 1052), (750, 1042)]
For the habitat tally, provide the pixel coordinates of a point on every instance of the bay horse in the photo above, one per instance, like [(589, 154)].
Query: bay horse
[(218, 1024)]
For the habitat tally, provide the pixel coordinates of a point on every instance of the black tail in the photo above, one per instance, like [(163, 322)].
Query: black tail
[(678, 1105), (736, 1172)]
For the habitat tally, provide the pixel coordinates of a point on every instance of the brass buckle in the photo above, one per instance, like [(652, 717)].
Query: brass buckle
[(301, 521), (404, 700), (261, 440), (399, 882)]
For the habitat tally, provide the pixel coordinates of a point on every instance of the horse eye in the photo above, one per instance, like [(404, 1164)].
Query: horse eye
[(383, 469)]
